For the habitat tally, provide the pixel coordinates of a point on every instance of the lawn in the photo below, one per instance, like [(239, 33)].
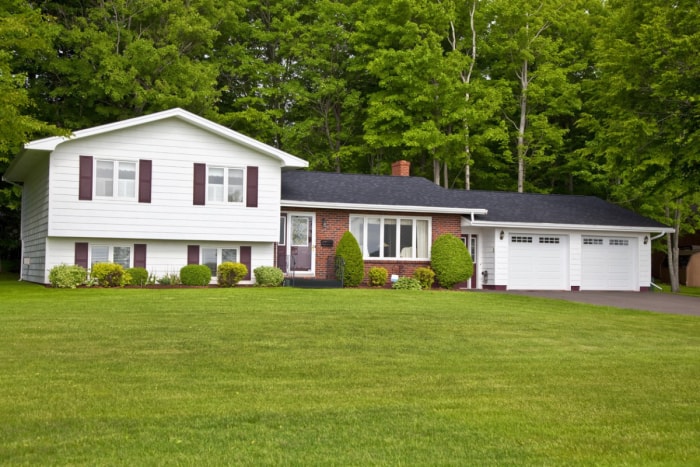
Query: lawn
[(251, 376)]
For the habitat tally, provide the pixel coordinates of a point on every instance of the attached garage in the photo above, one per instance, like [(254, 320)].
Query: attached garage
[(609, 263), (538, 262)]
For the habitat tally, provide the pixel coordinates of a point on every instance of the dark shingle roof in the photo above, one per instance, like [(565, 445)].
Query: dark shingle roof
[(323, 187)]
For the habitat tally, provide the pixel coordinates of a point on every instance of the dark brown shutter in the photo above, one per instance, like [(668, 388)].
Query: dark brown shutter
[(251, 198), (145, 174), (245, 259), (139, 255), (192, 254), (85, 184), (81, 254), (200, 184)]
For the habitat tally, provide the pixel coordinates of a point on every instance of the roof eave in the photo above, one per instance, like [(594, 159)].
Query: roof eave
[(381, 207), (466, 222)]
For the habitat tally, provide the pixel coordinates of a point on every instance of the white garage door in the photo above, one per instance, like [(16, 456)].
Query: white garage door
[(538, 262), (608, 263)]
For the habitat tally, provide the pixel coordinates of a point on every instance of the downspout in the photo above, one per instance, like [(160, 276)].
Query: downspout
[(21, 241), (657, 287)]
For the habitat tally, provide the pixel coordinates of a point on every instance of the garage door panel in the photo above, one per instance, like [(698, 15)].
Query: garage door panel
[(538, 262), (608, 263)]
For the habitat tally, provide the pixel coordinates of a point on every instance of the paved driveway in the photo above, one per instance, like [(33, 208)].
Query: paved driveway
[(649, 301)]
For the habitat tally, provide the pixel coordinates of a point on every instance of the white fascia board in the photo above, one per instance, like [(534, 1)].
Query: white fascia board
[(288, 160), (546, 226), (381, 207)]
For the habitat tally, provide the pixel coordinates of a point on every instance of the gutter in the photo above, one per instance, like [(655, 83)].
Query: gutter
[(551, 226), (382, 207)]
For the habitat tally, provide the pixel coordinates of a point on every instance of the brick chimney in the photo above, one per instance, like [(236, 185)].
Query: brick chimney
[(401, 169)]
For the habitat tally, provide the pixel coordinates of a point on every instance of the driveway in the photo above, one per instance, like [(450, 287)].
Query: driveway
[(648, 301)]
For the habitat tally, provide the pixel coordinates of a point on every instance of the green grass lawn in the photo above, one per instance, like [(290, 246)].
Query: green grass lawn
[(287, 376)]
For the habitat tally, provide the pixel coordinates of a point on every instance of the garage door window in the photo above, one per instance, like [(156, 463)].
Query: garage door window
[(520, 239), (550, 240), (619, 242), (592, 241)]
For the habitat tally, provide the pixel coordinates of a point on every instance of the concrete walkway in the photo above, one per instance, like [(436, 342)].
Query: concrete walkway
[(649, 301)]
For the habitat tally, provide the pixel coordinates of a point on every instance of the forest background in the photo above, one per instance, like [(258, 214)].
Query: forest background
[(595, 97)]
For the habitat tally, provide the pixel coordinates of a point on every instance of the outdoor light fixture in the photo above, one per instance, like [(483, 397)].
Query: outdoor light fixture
[(324, 223), (502, 234), (646, 239)]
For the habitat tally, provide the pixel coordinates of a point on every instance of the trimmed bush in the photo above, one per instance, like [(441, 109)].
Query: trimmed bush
[(195, 274), (451, 261), (268, 276), (425, 276), (377, 276), (109, 275), (228, 274), (406, 283), (349, 250), (67, 276), (139, 276)]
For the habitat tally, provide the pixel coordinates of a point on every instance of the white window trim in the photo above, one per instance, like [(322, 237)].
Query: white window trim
[(110, 252), (115, 179), (218, 255), (225, 197), (365, 253)]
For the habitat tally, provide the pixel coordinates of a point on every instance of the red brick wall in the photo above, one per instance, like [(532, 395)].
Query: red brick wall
[(338, 222)]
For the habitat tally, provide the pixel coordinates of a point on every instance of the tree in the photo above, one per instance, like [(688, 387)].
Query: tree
[(645, 114), (450, 260), (349, 250)]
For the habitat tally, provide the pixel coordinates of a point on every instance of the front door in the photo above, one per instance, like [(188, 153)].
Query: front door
[(300, 242)]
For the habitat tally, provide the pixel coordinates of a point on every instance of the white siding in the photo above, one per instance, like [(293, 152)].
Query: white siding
[(173, 147), (162, 257), (35, 205)]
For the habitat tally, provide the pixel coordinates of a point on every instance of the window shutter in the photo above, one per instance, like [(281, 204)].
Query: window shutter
[(192, 254), (145, 174), (81, 254), (251, 199), (139, 255), (85, 183), (245, 259), (200, 185)]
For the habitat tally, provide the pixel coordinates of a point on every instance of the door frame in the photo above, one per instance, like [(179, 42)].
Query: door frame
[(287, 247), (471, 241)]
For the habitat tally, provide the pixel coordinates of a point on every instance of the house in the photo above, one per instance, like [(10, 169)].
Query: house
[(171, 188)]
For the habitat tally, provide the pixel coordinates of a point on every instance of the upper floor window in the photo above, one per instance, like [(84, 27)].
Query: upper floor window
[(392, 237), (115, 179), (224, 184)]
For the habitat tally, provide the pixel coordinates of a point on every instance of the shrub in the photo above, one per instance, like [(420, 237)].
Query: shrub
[(195, 274), (406, 283), (109, 275), (139, 276), (65, 276), (268, 276), (228, 274), (425, 276), (170, 279), (451, 261), (377, 276), (349, 250)]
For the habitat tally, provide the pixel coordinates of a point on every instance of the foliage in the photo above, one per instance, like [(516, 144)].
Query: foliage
[(407, 283), (425, 276), (349, 250), (450, 260), (139, 276), (228, 273), (170, 279), (195, 274), (109, 275), (67, 276), (377, 276), (268, 276)]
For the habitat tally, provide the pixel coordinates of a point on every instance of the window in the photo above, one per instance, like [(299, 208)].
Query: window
[(618, 242), (212, 257), (392, 237), (111, 254), (549, 240), (283, 231), (115, 179), (592, 241), (520, 239), (224, 185)]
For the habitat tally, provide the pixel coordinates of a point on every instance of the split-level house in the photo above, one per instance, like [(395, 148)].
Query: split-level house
[(171, 188)]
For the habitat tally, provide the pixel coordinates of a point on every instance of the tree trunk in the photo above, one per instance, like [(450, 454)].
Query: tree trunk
[(522, 149), (436, 171)]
